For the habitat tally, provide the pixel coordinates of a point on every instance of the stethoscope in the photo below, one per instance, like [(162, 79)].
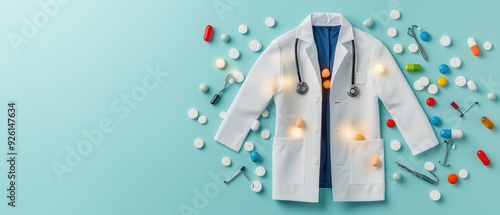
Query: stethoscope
[(302, 87)]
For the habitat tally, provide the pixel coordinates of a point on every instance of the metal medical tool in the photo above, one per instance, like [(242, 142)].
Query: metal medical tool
[(217, 95), (448, 142), (455, 106), (419, 175), (411, 32), (465, 111), (241, 171)]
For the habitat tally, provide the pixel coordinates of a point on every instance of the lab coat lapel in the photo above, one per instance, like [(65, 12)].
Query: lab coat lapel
[(340, 53)]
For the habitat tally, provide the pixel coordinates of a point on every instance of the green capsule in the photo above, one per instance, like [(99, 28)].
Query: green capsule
[(413, 67)]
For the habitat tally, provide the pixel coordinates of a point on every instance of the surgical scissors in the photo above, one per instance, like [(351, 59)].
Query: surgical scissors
[(411, 32), (420, 175)]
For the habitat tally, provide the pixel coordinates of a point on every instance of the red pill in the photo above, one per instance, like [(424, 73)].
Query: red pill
[(454, 105), (390, 123), (209, 31), (431, 101), (482, 156), (453, 178)]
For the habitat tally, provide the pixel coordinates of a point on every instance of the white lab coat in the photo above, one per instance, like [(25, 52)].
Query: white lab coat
[(296, 151)]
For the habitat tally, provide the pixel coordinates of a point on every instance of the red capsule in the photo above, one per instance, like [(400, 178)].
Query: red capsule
[(209, 31), (454, 105), (390, 123), (482, 156), (431, 101)]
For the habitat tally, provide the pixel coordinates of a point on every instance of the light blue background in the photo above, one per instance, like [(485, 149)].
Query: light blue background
[(90, 53)]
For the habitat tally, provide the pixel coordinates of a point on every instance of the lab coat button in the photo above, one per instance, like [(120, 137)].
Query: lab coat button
[(315, 129), (315, 160), (316, 98)]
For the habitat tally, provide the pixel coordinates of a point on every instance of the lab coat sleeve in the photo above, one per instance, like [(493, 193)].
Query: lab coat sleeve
[(252, 98), (397, 96)]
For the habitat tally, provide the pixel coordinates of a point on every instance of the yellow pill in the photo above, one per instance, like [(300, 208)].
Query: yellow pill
[(299, 123), (325, 73), (442, 81), (487, 122), (359, 137), (326, 84)]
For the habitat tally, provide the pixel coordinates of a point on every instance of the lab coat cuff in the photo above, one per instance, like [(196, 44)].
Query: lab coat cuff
[(423, 145)]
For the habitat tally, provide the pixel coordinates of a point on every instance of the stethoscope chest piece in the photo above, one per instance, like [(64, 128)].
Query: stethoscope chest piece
[(302, 88), (353, 91)]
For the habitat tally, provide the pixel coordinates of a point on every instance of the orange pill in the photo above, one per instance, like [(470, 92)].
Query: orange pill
[(359, 137), (376, 161), (453, 178), (325, 73), (474, 47), (487, 122), (326, 84), (300, 123)]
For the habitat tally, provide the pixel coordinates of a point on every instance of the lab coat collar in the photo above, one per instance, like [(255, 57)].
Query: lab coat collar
[(305, 32)]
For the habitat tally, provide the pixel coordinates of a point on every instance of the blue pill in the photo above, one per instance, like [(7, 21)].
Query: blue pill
[(425, 36), (436, 121), (254, 156), (444, 68)]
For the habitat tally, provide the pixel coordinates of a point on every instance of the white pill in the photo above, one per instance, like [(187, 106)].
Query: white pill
[(255, 125), (429, 166), (417, 85), (398, 48), (368, 22), (255, 45), (435, 195), (413, 48), (256, 186), (424, 81), (395, 14), (455, 62), (396, 176), (203, 88), (260, 171), (226, 161), (395, 145), (445, 40), (236, 76), (234, 53), (463, 174), (198, 143), (265, 113), (222, 114), (432, 89), (460, 81), (265, 134), (471, 85), (192, 113), (243, 29), (202, 120), (220, 63), (248, 146), (224, 37), (492, 96), (270, 22), (392, 32), (487, 45)]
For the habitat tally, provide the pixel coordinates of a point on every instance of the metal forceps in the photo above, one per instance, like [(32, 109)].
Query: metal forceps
[(411, 32), (419, 175), (217, 95)]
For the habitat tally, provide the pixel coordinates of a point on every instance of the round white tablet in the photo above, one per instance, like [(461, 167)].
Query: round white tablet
[(429, 166), (492, 96), (203, 88), (460, 81), (255, 45), (220, 63), (260, 171), (265, 113), (455, 62), (487, 45), (395, 14), (463, 174), (248, 146), (192, 113), (395, 145), (202, 120), (392, 32), (222, 114), (236, 76), (413, 48), (224, 37), (198, 143), (471, 85), (435, 195), (445, 40), (417, 85), (243, 29), (256, 186), (226, 161), (270, 22), (398, 48), (234, 53), (424, 81), (396, 176), (265, 134), (432, 89), (255, 125)]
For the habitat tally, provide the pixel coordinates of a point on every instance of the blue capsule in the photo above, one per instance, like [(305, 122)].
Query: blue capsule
[(436, 121), (451, 133), (254, 156), (444, 68), (425, 36)]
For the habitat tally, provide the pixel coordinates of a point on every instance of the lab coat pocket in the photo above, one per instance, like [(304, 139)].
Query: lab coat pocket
[(364, 155), (289, 158)]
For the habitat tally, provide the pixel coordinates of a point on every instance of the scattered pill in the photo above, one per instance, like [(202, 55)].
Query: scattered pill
[(483, 157), (209, 31), (260, 171), (424, 81), (395, 14), (198, 143), (220, 63), (471, 85), (226, 161), (256, 186), (473, 46), (392, 32), (429, 166), (487, 122), (442, 81), (325, 73), (265, 113), (236, 76), (376, 161), (396, 176), (395, 145), (436, 121), (425, 36), (432, 89), (417, 85), (430, 101), (326, 84), (451, 133), (270, 22), (224, 37), (390, 123), (203, 88), (413, 48), (368, 22), (299, 123), (243, 29), (398, 48), (453, 178), (359, 137), (265, 134), (202, 120), (248, 146), (445, 40), (254, 156), (492, 96), (455, 62), (413, 67), (255, 125), (255, 45), (463, 174), (192, 113), (435, 195), (487, 46), (460, 81), (444, 69), (234, 53), (222, 114)]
